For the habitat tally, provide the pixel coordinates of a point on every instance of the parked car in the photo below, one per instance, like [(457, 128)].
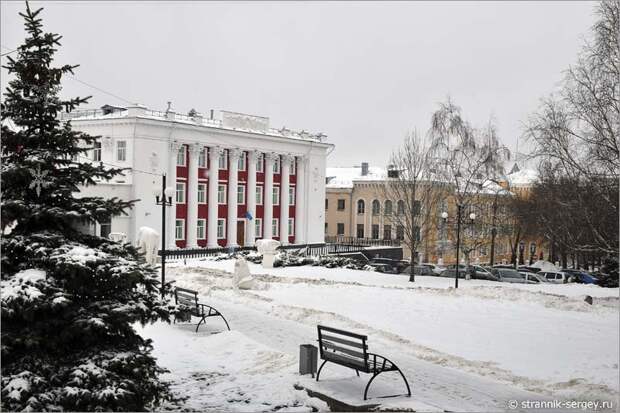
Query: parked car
[(581, 277), (533, 278), (384, 268), (510, 275), (418, 270), (480, 273), (528, 268), (436, 269), (554, 277), (451, 273)]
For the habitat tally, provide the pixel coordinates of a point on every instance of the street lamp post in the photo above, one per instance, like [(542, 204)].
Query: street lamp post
[(163, 197), (532, 252), (472, 217)]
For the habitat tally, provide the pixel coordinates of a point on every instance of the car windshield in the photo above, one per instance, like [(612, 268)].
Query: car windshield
[(506, 273)]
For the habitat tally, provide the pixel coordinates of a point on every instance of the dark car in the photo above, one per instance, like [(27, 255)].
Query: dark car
[(397, 265), (510, 275), (581, 277), (384, 268), (451, 273)]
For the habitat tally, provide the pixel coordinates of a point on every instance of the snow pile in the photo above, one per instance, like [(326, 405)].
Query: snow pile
[(227, 371)]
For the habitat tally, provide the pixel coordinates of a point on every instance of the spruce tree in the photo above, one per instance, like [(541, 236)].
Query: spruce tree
[(69, 299)]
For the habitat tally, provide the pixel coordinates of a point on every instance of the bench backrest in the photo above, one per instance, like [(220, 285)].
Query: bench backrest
[(343, 347), (189, 298)]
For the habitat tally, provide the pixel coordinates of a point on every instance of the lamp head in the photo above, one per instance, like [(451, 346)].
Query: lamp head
[(444, 215), (472, 216)]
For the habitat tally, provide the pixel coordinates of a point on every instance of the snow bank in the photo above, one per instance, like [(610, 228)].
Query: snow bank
[(227, 371)]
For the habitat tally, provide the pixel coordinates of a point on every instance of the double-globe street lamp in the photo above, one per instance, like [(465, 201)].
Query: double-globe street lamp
[(163, 197), (472, 218)]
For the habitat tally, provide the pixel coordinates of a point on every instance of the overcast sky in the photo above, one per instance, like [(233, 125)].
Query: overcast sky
[(361, 72)]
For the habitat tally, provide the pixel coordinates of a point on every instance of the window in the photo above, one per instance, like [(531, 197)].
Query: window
[(293, 166), (221, 194), (259, 162), (258, 228), (340, 228), (202, 158), (326, 227), (400, 207), (121, 150), (276, 165), (222, 160), (291, 227), (241, 162), (361, 206), (275, 230), (360, 230), (221, 228), (417, 207), (259, 195), (400, 232), (341, 205), (376, 207), (241, 194), (416, 233), (97, 152), (291, 195), (105, 228), (275, 195), (179, 230), (388, 207), (375, 231), (181, 156), (202, 193), (200, 228), (180, 192), (387, 232), (326, 203)]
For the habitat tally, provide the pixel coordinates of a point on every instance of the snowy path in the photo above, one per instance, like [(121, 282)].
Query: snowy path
[(472, 349), (442, 387)]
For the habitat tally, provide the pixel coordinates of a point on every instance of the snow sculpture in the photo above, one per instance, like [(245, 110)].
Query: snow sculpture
[(267, 247), (242, 279), (148, 241)]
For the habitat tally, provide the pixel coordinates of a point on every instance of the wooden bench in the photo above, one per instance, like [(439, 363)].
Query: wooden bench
[(189, 300), (350, 350)]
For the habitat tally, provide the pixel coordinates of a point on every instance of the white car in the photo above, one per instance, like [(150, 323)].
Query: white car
[(436, 269), (554, 277), (531, 277)]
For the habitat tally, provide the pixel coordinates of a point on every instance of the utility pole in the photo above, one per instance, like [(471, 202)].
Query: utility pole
[(164, 199), (458, 243)]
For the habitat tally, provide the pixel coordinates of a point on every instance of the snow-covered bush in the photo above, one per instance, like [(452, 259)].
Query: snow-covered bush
[(69, 299)]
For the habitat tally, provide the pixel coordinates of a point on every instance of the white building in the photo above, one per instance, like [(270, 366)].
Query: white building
[(263, 182)]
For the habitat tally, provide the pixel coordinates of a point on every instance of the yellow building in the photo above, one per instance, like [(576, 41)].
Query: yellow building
[(357, 210)]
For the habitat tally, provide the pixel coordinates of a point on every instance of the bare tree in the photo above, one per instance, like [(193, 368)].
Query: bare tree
[(576, 133), (465, 158), (410, 189)]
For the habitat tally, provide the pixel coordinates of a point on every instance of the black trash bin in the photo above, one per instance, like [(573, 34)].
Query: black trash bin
[(308, 355)]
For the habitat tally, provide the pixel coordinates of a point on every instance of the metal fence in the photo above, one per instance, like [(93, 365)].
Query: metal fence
[(340, 239), (303, 250)]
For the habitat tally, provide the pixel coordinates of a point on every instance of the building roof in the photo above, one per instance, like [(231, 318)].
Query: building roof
[(343, 177), (522, 177), (222, 120)]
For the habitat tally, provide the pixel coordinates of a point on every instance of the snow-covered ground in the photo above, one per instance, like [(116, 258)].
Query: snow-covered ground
[(472, 349)]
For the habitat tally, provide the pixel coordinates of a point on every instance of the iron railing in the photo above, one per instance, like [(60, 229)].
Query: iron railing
[(304, 250), (368, 242)]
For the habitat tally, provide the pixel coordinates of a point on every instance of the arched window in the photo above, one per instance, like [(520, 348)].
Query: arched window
[(376, 207), (400, 207), (361, 206), (388, 207)]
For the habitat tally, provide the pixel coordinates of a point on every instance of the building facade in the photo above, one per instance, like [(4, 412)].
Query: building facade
[(233, 178), (356, 207)]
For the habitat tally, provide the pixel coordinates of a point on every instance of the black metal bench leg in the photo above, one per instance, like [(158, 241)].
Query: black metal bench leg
[(358, 373), (225, 322), (368, 385), (406, 383), (203, 319), (320, 368)]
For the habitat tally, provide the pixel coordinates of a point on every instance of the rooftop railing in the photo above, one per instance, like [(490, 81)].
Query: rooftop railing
[(178, 117)]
